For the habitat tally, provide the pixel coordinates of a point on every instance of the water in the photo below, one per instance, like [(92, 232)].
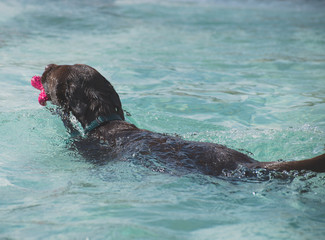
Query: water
[(247, 74)]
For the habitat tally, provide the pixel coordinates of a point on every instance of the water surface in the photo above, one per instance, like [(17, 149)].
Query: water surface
[(247, 74)]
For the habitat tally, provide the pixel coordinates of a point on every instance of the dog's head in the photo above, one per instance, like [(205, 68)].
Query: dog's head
[(82, 90)]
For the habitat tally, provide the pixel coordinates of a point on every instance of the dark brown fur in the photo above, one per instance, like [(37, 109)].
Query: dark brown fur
[(85, 93)]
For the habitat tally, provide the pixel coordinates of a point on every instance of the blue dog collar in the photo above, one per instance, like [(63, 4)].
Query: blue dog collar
[(100, 120)]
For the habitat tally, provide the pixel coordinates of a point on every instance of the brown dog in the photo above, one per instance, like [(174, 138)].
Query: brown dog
[(84, 92)]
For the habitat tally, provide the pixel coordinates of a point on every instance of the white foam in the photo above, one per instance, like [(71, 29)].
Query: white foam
[(5, 182)]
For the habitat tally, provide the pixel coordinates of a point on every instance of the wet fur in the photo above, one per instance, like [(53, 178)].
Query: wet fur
[(84, 92)]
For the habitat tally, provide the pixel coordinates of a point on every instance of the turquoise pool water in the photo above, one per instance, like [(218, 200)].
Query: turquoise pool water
[(247, 74)]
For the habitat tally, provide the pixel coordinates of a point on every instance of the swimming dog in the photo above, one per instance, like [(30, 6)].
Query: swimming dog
[(81, 90)]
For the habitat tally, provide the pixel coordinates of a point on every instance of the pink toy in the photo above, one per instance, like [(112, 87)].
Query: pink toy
[(37, 83)]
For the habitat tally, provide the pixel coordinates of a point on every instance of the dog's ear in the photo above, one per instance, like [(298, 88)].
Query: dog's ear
[(75, 101), (102, 97), (117, 104), (91, 96)]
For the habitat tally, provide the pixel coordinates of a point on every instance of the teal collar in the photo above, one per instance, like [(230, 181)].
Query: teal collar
[(101, 120)]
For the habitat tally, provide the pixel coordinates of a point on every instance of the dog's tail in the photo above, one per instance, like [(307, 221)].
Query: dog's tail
[(316, 164)]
